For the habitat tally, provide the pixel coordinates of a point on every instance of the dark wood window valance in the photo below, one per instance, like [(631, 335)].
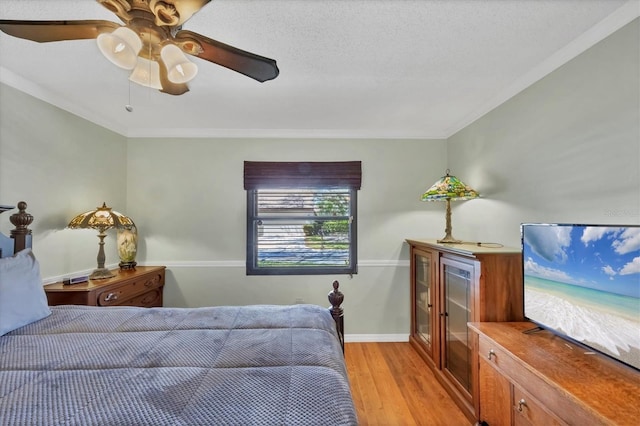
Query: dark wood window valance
[(275, 174)]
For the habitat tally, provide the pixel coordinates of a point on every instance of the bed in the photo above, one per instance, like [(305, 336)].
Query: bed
[(226, 365)]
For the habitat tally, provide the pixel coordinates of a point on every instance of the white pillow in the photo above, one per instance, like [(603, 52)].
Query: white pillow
[(22, 297)]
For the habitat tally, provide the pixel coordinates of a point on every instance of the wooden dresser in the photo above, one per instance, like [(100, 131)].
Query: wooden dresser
[(135, 287), (541, 379)]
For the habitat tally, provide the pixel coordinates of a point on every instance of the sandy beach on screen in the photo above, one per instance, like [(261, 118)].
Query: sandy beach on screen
[(607, 332)]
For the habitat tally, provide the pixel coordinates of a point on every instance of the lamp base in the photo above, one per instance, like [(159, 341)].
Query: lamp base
[(449, 240), (101, 274), (127, 265)]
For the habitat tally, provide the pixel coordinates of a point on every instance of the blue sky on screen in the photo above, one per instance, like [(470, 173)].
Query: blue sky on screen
[(599, 257)]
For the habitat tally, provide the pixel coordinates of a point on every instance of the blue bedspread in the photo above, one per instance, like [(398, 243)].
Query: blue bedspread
[(232, 365)]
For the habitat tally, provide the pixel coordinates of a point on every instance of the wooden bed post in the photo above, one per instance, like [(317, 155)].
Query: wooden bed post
[(21, 234), (335, 298)]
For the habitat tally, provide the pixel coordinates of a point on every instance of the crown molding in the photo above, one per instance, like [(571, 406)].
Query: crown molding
[(279, 134)]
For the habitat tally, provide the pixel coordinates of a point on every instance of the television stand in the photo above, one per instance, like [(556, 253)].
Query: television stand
[(533, 330), (541, 378)]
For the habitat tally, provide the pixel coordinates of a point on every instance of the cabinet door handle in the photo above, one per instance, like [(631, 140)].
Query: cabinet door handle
[(522, 403), (491, 354), (110, 297)]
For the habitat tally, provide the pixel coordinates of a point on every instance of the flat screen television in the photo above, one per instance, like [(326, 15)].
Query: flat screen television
[(583, 282)]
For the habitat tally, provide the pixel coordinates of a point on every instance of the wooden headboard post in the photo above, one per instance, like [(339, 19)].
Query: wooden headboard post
[(21, 234), (335, 298)]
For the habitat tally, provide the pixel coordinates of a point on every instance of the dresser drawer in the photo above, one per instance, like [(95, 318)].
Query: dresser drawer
[(497, 357), (123, 294), (528, 411)]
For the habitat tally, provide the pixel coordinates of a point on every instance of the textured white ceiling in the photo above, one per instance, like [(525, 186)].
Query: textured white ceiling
[(348, 68)]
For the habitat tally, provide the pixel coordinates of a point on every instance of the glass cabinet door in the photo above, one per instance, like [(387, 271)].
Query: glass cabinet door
[(424, 298), (456, 281)]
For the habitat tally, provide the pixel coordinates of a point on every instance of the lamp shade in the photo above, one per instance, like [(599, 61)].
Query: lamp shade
[(146, 73), (102, 218), (449, 188), (179, 68), (121, 47)]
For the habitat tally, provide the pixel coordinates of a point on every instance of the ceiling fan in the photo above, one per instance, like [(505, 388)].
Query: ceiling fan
[(151, 42)]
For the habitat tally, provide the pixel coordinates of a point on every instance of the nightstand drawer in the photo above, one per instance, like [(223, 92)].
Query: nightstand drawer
[(146, 300), (122, 294), (136, 287)]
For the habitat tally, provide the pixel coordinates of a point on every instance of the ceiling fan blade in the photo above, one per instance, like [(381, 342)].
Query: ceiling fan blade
[(247, 63), (168, 86), (46, 31)]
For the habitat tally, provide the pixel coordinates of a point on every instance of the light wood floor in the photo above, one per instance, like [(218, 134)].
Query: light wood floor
[(391, 385)]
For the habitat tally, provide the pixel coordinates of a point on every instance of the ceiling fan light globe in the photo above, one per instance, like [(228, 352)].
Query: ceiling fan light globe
[(146, 73), (179, 68), (121, 47)]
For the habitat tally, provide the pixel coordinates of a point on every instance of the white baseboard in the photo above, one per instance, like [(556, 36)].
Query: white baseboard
[(362, 338)]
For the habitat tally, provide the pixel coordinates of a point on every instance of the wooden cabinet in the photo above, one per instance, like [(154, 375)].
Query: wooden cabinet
[(451, 285), (141, 286), (541, 379)]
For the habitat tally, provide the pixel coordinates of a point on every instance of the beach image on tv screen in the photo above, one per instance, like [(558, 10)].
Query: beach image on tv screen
[(584, 282)]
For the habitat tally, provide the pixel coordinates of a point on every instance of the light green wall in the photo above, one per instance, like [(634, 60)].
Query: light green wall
[(566, 149), (61, 165), (188, 201)]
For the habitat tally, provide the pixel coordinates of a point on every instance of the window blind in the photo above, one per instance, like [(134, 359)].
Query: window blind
[(276, 174)]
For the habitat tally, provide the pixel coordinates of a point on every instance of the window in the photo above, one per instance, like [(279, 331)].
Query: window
[(302, 217)]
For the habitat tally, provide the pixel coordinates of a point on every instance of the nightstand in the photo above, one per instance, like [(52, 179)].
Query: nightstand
[(141, 286)]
